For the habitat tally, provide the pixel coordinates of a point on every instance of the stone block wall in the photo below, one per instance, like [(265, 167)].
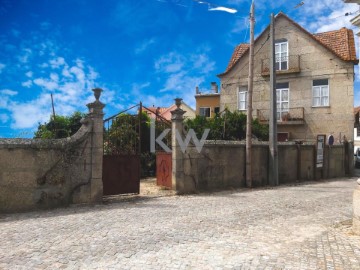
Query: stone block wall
[(37, 173), (221, 164)]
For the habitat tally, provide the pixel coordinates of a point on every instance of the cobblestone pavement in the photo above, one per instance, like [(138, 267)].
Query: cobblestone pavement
[(289, 227)]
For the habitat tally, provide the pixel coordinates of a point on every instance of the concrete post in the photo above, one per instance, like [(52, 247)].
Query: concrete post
[(177, 118), (96, 115), (356, 209)]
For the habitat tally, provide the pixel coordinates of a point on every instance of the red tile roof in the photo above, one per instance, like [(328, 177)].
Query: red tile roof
[(238, 52), (356, 110), (340, 42)]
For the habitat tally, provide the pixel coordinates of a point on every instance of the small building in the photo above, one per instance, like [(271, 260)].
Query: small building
[(208, 102), (314, 81)]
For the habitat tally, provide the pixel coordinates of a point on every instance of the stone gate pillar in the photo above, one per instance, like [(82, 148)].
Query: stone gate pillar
[(177, 118), (180, 182), (96, 114)]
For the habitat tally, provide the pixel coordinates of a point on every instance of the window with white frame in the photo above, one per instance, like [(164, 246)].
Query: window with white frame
[(204, 111), (281, 54), (242, 98), (282, 101), (320, 93)]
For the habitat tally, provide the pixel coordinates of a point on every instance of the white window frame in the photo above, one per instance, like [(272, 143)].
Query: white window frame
[(203, 108), (320, 94), (281, 56), (242, 98), (280, 111)]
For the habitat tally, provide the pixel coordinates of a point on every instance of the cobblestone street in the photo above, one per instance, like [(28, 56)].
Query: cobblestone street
[(289, 227)]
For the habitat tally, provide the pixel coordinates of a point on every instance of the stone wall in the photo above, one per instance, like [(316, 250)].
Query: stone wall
[(221, 164), (36, 173)]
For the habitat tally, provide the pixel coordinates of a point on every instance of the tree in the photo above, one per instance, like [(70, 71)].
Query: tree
[(59, 126)]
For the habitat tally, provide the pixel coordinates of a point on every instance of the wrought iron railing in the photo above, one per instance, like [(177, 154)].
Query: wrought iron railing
[(291, 116), (292, 65)]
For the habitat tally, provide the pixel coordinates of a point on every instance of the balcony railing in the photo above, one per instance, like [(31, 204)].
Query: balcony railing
[(294, 116), (287, 65)]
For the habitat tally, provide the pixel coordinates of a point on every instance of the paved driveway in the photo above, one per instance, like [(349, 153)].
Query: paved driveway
[(289, 227)]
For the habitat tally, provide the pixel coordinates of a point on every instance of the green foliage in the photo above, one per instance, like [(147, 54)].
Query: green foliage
[(60, 126), (229, 126), (123, 135)]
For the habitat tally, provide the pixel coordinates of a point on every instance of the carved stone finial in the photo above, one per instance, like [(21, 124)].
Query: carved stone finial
[(97, 106), (178, 102), (97, 93)]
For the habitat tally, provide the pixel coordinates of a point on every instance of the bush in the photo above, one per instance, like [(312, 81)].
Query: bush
[(228, 126)]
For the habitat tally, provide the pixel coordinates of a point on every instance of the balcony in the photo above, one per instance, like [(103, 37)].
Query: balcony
[(294, 116), (289, 65)]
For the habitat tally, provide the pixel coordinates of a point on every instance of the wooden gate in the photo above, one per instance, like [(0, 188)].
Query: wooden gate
[(122, 148), (164, 169)]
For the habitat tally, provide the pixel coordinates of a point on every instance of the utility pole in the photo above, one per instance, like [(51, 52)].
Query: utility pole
[(273, 168), (52, 105), (249, 100)]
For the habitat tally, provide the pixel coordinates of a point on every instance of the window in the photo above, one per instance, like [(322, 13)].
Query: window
[(282, 101), (242, 98), (281, 55), (205, 111), (217, 110), (320, 91)]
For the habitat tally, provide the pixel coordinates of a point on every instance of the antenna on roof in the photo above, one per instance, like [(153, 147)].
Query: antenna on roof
[(299, 5)]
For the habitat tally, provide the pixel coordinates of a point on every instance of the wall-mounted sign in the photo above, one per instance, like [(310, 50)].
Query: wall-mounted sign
[(320, 143)]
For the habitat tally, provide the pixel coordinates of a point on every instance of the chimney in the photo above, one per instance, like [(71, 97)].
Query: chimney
[(197, 90), (214, 87)]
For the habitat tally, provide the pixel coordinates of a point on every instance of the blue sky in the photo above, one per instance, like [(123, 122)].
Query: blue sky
[(145, 50)]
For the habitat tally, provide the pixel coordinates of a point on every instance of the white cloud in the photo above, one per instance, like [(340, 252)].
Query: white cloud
[(27, 83), (46, 84), (329, 15), (24, 57), (6, 95), (144, 46), (3, 118), (57, 62), (8, 92), (65, 72), (169, 63), (29, 74), (184, 72), (54, 77), (136, 88), (2, 66)]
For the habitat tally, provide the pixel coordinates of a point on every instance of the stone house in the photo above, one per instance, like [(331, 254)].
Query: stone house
[(314, 81), (208, 102)]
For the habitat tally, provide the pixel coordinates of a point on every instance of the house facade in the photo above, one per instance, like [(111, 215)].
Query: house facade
[(208, 102), (314, 81)]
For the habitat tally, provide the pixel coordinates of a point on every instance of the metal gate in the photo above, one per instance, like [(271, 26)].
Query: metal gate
[(122, 148), (164, 169), (127, 146)]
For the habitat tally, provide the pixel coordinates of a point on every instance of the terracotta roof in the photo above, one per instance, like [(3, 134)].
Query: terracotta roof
[(356, 110), (340, 42), (238, 52), (152, 110)]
